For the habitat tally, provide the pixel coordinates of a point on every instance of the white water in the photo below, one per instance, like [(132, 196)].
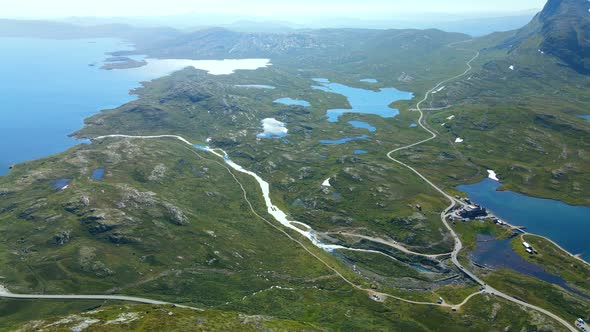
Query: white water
[(273, 210)]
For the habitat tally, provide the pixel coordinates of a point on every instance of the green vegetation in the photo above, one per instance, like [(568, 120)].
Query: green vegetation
[(556, 261), (542, 294), (125, 317)]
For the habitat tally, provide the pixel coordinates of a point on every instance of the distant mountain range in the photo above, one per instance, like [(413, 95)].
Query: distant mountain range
[(562, 29)]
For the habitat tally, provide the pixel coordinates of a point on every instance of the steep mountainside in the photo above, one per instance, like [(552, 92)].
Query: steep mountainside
[(566, 31), (521, 101), (562, 29)]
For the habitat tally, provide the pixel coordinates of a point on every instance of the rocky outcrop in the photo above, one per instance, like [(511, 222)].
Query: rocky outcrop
[(62, 237)]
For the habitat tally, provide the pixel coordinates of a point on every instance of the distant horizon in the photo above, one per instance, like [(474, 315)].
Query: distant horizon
[(301, 11)]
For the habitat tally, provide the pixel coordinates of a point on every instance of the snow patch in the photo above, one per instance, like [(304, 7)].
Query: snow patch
[(451, 117), (439, 89), (511, 67), (273, 128), (326, 183), (492, 175), (459, 140)]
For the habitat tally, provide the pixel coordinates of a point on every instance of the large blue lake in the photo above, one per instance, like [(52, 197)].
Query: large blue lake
[(48, 88), (567, 225)]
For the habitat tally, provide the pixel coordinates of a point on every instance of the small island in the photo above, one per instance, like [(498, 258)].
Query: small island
[(122, 62)]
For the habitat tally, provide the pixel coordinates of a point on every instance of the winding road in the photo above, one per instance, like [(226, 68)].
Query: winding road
[(453, 203)]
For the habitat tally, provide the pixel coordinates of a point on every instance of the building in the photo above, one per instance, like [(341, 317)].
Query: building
[(499, 222), (473, 211)]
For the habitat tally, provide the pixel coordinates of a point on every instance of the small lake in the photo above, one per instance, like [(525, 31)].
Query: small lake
[(362, 125), (493, 253), (359, 152), (565, 224), (364, 101), (61, 184), (585, 117), (255, 86), (342, 140), (97, 174), (292, 102)]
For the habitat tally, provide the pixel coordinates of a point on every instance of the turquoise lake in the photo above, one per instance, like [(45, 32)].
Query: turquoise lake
[(585, 117), (567, 225), (48, 88)]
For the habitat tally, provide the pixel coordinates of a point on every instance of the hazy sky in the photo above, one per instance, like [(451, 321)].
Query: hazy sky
[(263, 8)]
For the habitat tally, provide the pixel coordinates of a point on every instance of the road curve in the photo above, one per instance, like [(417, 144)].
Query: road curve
[(445, 213)]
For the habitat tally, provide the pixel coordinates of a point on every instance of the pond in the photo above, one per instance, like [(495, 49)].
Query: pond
[(362, 125), (255, 86), (493, 253), (342, 140), (292, 102), (97, 174), (61, 184)]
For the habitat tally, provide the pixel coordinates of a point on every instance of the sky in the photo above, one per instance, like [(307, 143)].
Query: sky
[(278, 9)]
